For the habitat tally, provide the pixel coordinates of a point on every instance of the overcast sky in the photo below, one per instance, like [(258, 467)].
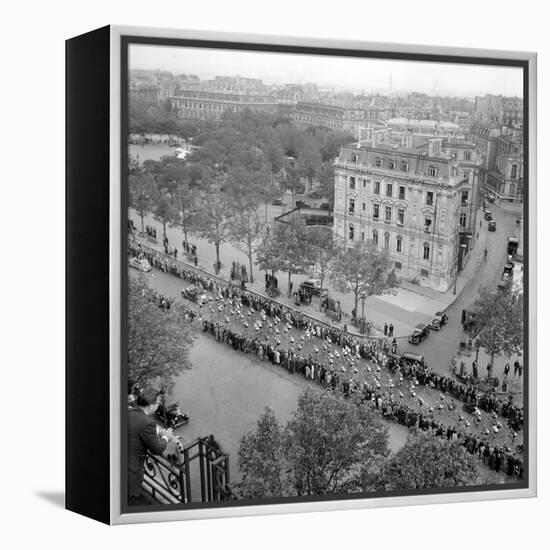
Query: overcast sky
[(332, 72)]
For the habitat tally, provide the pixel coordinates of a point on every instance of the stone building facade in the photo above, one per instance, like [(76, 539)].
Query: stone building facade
[(417, 201), (198, 104)]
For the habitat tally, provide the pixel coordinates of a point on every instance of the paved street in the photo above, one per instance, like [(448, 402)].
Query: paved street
[(410, 306)]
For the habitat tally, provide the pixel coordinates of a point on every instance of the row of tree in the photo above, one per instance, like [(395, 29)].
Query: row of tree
[(331, 445)]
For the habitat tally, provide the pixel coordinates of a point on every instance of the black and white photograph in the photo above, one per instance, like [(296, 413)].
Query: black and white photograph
[(326, 276)]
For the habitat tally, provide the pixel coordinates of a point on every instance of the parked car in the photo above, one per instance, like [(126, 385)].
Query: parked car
[(141, 265), (512, 246), (488, 215), (277, 202), (490, 197), (439, 319), (420, 333), (324, 206), (315, 195), (194, 294), (411, 358), (492, 226), (301, 204), (314, 286)]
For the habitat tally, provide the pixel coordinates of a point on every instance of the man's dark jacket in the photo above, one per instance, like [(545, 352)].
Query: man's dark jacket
[(142, 435)]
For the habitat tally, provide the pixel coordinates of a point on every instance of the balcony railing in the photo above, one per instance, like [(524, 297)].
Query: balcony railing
[(198, 473)]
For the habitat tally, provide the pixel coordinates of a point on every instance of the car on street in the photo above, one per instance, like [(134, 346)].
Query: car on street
[(492, 225), (488, 215), (277, 202), (420, 333), (490, 197), (315, 195), (314, 286), (512, 246), (141, 265), (194, 295), (438, 320)]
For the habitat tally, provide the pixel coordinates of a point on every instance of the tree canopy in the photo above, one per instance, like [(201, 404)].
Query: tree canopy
[(159, 340), (330, 445)]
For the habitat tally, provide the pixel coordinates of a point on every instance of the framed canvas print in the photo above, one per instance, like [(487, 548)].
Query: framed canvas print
[(300, 274)]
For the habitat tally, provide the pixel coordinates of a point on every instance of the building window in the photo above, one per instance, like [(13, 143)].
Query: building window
[(376, 211), (399, 243), (364, 183), (375, 237), (388, 213), (404, 166), (398, 266), (467, 155), (386, 240), (389, 189), (351, 208), (465, 195), (400, 216), (514, 173), (351, 232), (427, 225), (429, 198), (352, 182), (364, 206), (378, 162), (516, 150), (402, 192), (426, 251), (362, 235), (391, 165), (424, 273), (354, 157), (463, 220), (432, 171), (377, 188)]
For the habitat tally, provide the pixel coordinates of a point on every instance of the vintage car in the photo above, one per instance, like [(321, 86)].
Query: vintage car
[(301, 204), (141, 265), (508, 269), (490, 197), (170, 416), (492, 225), (406, 358), (194, 295), (314, 286), (420, 333), (277, 202), (439, 319), (512, 246)]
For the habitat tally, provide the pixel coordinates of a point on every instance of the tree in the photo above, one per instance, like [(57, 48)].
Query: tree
[(165, 212), (364, 270), (292, 182), (330, 445), (213, 213), (326, 180), (186, 203), (285, 249), (499, 321), (427, 462), (246, 231), (309, 160), (142, 192), (321, 249), (159, 340), (261, 460)]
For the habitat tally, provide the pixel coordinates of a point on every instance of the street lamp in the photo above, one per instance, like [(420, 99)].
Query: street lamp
[(363, 297)]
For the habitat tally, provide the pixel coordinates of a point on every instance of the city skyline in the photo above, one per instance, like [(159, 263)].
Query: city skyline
[(351, 74)]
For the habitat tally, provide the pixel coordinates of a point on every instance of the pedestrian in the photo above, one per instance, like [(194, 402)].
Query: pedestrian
[(142, 437), (474, 369), (516, 367), (394, 346), (290, 285), (489, 370), (506, 369), (505, 384), (485, 254), (385, 329), (520, 370), (390, 330)]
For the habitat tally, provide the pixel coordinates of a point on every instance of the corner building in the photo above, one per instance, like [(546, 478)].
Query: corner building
[(417, 198)]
